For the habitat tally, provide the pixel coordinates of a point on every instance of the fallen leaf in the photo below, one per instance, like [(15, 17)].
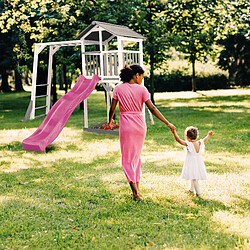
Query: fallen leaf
[(151, 243), (190, 218), (93, 239), (110, 222), (74, 228), (9, 238), (157, 223)]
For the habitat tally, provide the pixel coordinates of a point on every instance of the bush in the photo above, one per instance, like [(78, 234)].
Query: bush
[(178, 82)]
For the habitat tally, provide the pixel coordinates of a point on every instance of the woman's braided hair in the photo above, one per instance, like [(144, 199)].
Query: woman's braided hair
[(128, 72)]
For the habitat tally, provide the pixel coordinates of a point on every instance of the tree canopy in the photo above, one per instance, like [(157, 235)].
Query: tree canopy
[(192, 27)]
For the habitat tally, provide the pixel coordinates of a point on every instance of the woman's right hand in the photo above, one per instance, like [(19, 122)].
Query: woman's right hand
[(110, 124)]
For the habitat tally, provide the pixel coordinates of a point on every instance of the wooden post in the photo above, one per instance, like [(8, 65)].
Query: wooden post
[(34, 77), (84, 73), (49, 79), (120, 53), (141, 64)]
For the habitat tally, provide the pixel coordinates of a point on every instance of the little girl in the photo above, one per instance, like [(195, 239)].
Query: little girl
[(194, 167)]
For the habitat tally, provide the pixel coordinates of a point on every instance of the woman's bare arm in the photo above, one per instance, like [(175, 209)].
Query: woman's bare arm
[(112, 110), (158, 114)]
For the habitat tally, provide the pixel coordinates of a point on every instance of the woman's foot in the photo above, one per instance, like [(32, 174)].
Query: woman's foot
[(134, 190), (136, 197)]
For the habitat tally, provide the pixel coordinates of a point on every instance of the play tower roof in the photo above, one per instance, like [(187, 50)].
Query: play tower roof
[(109, 30)]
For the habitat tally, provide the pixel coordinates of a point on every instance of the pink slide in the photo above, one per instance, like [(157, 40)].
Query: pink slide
[(59, 114)]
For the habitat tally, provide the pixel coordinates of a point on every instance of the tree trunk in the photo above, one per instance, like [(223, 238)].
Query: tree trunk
[(193, 77), (151, 79), (5, 84), (18, 80), (26, 78), (61, 78), (42, 76), (82, 105), (65, 78), (54, 81)]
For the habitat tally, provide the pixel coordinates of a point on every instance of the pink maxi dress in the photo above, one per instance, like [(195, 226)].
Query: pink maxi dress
[(132, 126)]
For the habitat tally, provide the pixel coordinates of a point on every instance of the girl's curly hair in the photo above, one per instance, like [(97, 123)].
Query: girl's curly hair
[(192, 133)]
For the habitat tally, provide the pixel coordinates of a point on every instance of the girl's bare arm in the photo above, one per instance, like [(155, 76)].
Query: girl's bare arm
[(210, 133), (178, 139)]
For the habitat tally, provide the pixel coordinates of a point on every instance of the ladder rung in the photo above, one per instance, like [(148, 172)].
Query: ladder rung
[(41, 107), (39, 116), (40, 85), (40, 96)]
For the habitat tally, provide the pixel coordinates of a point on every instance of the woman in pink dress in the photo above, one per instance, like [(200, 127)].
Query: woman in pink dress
[(131, 96)]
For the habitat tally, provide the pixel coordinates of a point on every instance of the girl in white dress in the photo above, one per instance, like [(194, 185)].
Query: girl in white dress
[(194, 167)]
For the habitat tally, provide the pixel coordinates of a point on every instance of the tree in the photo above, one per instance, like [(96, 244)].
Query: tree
[(150, 20), (235, 57), (196, 24), (6, 60), (145, 17), (38, 21)]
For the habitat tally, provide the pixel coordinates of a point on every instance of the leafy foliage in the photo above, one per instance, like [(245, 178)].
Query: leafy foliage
[(235, 57), (191, 26)]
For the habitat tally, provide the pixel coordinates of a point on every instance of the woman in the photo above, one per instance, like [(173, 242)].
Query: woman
[(131, 96)]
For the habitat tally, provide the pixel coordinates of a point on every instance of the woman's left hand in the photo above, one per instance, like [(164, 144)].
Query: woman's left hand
[(172, 127)]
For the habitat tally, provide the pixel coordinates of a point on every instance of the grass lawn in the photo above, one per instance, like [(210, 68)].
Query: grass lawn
[(75, 195)]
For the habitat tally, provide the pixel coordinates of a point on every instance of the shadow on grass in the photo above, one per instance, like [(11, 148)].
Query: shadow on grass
[(69, 210), (243, 202), (13, 146), (86, 213), (210, 205)]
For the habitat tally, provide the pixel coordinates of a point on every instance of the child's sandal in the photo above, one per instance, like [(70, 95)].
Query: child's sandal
[(188, 191)]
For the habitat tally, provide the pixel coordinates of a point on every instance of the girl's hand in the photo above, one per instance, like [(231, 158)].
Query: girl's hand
[(210, 133)]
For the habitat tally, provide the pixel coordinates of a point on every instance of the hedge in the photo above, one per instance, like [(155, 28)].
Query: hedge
[(177, 82)]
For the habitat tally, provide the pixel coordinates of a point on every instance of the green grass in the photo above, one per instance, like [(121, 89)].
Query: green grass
[(75, 195)]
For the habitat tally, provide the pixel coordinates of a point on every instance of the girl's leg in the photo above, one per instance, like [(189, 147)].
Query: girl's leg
[(137, 184), (192, 186), (191, 189), (197, 188)]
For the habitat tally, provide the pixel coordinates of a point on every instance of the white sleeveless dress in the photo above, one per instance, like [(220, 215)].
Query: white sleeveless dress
[(194, 167)]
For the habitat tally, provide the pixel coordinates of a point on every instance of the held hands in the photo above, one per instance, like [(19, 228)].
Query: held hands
[(172, 127)]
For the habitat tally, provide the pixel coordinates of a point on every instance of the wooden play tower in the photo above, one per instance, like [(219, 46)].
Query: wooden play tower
[(105, 50)]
